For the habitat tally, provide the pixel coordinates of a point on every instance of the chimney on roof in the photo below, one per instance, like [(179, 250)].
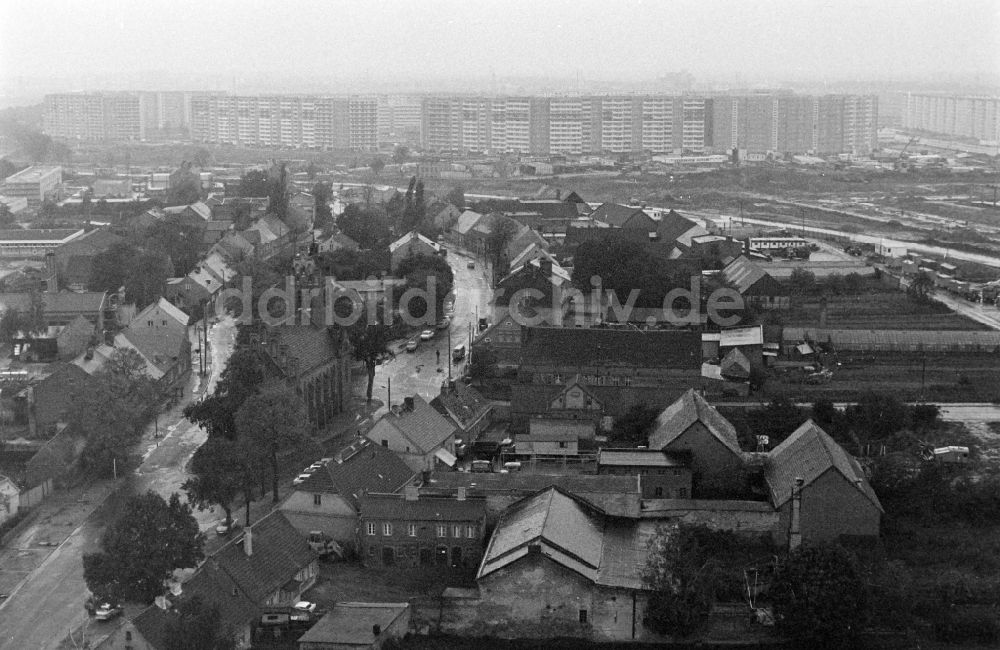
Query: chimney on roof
[(248, 541), (534, 549), (410, 493), (558, 195), (162, 602), (109, 338), (795, 525), (545, 266), (408, 403), (376, 630), (460, 496)]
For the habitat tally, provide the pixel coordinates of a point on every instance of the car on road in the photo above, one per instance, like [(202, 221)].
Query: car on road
[(224, 528), (107, 611), (412, 345), (444, 323), (427, 335), (470, 265)]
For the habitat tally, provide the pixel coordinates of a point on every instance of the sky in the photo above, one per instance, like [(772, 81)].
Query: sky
[(755, 40)]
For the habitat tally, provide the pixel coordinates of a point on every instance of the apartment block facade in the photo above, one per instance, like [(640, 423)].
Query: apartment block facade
[(962, 115), (651, 123), (300, 121), (117, 116)]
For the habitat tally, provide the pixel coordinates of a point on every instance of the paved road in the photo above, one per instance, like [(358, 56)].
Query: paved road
[(49, 603), (419, 372)]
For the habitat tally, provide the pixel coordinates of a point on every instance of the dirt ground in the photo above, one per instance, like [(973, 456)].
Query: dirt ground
[(349, 581)]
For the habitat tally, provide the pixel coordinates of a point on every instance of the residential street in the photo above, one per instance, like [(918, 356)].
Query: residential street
[(42, 610), (419, 372)]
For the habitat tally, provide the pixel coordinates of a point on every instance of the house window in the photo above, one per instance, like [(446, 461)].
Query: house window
[(470, 532), (583, 616), (164, 323), (562, 445), (371, 528), (317, 499), (411, 530), (149, 323), (387, 529), (677, 472), (456, 531), (442, 530), (658, 492), (682, 492), (385, 443), (128, 636)]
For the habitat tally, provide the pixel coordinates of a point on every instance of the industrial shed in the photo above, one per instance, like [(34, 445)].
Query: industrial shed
[(892, 340)]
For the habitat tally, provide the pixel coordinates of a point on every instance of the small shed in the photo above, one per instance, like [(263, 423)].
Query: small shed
[(357, 625)]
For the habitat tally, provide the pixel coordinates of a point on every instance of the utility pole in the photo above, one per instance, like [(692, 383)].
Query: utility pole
[(388, 396), (449, 352)]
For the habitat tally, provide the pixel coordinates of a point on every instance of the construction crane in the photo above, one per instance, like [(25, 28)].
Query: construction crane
[(902, 154)]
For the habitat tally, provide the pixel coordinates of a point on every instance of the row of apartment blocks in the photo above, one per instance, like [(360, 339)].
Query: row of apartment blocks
[(652, 123), (118, 116), (537, 125), (962, 115)]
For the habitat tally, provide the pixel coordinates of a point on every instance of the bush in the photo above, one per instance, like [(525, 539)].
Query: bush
[(967, 625)]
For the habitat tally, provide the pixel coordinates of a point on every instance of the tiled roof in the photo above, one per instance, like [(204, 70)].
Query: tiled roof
[(312, 346), (278, 552), (742, 273), (153, 624), (213, 585), (675, 228), (807, 454), (423, 426), (342, 241), (78, 268), (425, 508), (90, 243), (688, 409), (569, 531), (467, 221), (75, 337), (162, 344), (461, 402), (54, 394), (736, 364), (614, 214), (410, 237), (616, 495), (638, 458), (350, 625), (359, 468), (40, 235), (88, 302), (604, 346), (625, 553)]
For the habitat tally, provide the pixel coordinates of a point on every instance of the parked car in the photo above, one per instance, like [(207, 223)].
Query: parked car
[(483, 324), (302, 612), (224, 529), (458, 353), (412, 344), (470, 265), (274, 619), (301, 477), (481, 466), (107, 611), (427, 335)]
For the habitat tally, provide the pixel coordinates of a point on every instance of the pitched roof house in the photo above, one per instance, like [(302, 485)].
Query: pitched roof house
[(160, 333), (836, 498), (410, 244), (464, 408), (558, 566), (329, 499), (693, 426), (359, 626), (756, 286), (416, 433)]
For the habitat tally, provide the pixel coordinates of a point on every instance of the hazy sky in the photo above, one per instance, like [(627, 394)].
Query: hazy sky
[(755, 39)]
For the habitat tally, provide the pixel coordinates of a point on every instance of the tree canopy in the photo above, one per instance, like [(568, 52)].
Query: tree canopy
[(369, 226), (371, 347), (272, 421), (634, 427), (197, 625), (142, 548)]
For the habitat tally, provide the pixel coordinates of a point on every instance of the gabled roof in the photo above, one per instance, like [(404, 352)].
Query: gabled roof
[(735, 364), (161, 344), (198, 208), (567, 530), (278, 552), (462, 403), (153, 624), (338, 240), (408, 238), (467, 221), (351, 625), (90, 243), (422, 425), (639, 458), (742, 273), (102, 353), (687, 410), (675, 228), (424, 508), (213, 585), (808, 454), (614, 214), (310, 346), (361, 467)]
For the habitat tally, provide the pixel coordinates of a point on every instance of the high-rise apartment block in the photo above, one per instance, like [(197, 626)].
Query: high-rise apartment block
[(961, 115), (117, 116), (302, 121), (651, 123)]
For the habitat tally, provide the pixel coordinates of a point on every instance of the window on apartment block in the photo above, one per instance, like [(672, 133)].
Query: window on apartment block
[(317, 499), (371, 528), (442, 530), (682, 493), (387, 529), (411, 530)]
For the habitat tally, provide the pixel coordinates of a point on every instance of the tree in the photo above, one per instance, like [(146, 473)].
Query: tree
[(779, 418), (181, 242), (142, 548), (371, 347), (456, 197), (875, 417), (853, 283), (242, 377), (483, 363), (634, 427), (202, 157), (416, 270), (819, 597), (376, 165), (682, 571), (277, 191), (254, 184), (921, 287), (496, 243), (802, 281), (348, 264), (197, 625), (273, 421), (322, 193), (401, 154), (218, 474), (366, 225)]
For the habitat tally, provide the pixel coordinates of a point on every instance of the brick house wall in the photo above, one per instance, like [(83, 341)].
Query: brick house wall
[(716, 470), (831, 507), (656, 482), (333, 515), (420, 543)]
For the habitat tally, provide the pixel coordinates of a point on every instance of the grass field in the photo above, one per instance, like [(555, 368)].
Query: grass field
[(876, 310)]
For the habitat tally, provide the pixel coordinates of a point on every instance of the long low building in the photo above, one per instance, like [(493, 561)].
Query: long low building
[(893, 340), (35, 243)]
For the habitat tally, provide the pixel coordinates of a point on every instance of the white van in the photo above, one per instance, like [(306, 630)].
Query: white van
[(458, 353), (512, 466)]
